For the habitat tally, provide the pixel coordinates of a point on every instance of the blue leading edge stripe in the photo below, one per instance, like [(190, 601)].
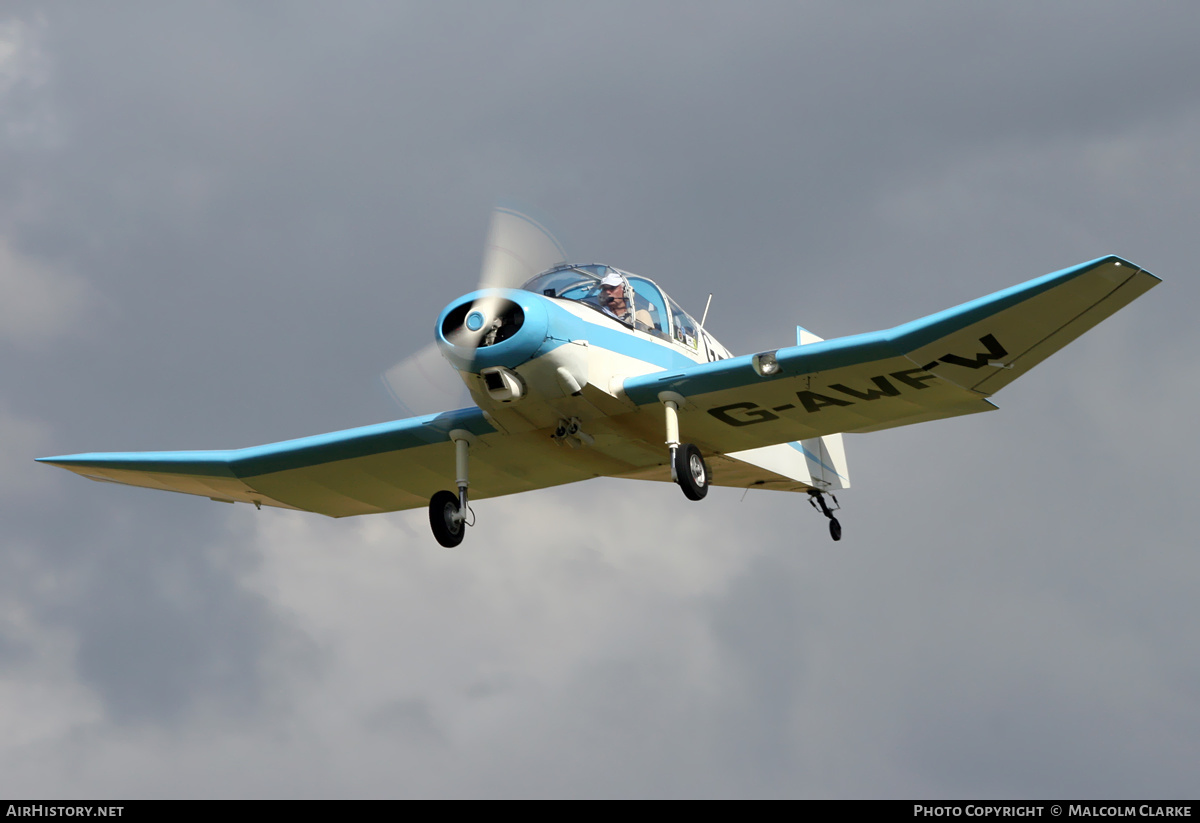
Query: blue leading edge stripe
[(859, 348), (290, 454)]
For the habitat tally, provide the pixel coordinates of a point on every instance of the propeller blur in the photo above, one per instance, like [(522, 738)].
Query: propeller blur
[(518, 247)]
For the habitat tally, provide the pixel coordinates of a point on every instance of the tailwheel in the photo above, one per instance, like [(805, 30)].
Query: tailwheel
[(447, 520), (691, 472), (835, 528), (816, 499)]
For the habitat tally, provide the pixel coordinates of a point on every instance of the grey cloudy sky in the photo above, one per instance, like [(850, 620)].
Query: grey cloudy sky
[(220, 222)]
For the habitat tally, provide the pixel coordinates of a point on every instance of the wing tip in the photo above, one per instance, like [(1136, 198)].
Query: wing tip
[(68, 460), (1125, 262)]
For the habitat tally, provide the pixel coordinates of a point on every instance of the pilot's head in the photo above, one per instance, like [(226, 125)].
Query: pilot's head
[(614, 294)]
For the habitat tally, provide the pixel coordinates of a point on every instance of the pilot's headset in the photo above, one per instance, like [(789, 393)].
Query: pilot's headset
[(615, 278)]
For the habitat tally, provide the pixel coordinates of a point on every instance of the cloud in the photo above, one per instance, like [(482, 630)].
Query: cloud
[(41, 302), (21, 440), (24, 75), (255, 209)]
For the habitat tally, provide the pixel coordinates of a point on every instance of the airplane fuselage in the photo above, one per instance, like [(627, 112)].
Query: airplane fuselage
[(561, 358)]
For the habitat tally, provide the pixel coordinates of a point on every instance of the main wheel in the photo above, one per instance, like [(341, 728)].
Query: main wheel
[(691, 472), (443, 518), (835, 528)]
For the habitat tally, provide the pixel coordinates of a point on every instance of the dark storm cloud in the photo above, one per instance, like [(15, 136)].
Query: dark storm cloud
[(154, 600), (159, 635), (229, 219)]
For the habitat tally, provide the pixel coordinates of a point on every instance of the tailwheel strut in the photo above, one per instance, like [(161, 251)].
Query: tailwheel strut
[(815, 499)]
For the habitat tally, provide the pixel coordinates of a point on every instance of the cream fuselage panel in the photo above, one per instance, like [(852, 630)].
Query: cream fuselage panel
[(597, 369)]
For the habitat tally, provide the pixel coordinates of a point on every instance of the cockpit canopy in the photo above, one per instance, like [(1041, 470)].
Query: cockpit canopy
[(653, 311), (582, 284)]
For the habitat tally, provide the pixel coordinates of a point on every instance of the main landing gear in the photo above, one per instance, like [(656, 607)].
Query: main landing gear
[(688, 468), (816, 499), (447, 510)]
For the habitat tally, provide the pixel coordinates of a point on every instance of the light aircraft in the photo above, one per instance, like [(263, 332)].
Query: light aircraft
[(582, 371)]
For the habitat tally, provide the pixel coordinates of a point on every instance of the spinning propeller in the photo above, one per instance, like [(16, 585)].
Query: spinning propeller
[(518, 247)]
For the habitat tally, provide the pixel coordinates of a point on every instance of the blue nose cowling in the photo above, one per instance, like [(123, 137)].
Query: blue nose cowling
[(519, 347)]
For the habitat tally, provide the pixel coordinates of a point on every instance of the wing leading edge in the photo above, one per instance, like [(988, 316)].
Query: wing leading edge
[(940, 366), (385, 467), (298, 474)]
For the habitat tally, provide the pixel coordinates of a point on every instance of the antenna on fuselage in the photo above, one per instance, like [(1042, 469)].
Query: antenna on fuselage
[(706, 305)]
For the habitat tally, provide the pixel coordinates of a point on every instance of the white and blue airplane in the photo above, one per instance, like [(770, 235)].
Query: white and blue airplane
[(589, 371)]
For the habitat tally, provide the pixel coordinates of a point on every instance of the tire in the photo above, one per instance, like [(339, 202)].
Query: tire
[(691, 472), (443, 506), (835, 528)]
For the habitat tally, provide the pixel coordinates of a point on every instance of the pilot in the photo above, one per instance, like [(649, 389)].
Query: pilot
[(616, 299), (615, 296)]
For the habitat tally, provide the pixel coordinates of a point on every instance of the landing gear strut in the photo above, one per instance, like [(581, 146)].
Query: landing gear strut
[(447, 510), (816, 499), (688, 468)]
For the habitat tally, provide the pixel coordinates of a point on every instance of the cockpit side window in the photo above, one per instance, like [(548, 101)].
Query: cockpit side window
[(684, 327), (650, 311)]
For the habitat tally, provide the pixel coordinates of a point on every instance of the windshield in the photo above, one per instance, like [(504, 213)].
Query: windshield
[(575, 283)]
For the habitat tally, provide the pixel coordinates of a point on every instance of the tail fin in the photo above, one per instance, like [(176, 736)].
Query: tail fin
[(826, 457), (818, 462)]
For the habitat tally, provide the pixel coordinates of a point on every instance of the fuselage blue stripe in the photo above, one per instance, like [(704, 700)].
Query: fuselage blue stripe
[(615, 337)]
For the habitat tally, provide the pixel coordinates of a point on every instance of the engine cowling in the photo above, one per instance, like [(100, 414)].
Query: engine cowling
[(495, 327)]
